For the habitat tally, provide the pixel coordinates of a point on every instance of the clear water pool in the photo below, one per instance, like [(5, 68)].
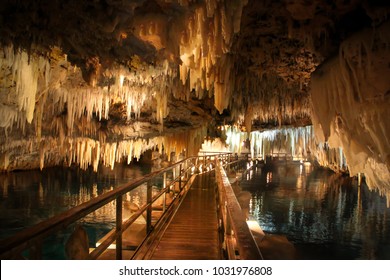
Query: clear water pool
[(325, 215)]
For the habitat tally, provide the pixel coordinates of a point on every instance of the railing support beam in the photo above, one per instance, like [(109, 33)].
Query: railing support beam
[(149, 209), (119, 227)]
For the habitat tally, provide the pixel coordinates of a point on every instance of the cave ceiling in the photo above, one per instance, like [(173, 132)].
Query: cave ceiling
[(278, 44)]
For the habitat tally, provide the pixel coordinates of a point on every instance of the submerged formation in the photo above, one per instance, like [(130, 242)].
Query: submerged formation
[(101, 82)]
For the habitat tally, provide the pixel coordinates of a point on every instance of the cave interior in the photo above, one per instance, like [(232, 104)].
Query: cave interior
[(99, 82)]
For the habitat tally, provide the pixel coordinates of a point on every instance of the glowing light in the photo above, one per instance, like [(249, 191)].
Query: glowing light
[(121, 80), (255, 228), (269, 177)]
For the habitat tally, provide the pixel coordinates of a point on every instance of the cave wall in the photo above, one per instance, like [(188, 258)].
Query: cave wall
[(350, 100)]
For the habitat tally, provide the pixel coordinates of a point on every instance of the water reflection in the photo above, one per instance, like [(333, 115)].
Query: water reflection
[(29, 197), (326, 216)]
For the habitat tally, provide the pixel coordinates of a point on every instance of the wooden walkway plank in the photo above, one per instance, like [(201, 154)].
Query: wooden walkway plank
[(193, 232)]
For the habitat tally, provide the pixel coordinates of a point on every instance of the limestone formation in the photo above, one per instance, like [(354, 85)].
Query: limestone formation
[(100, 82)]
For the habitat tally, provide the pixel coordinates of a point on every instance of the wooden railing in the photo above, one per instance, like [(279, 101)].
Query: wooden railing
[(281, 156), (31, 239), (238, 240)]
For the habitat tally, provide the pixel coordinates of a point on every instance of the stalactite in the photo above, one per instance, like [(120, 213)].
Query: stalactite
[(162, 106), (188, 142), (235, 138), (269, 100), (350, 104), (31, 78), (22, 74), (299, 143), (205, 55), (86, 152), (8, 116)]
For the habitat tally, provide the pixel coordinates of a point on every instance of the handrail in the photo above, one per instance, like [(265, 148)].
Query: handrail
[(145, 248), (31, 238), (236, 233)]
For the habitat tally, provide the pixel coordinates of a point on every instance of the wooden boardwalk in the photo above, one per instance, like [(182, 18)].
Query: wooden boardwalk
[(193, 234)]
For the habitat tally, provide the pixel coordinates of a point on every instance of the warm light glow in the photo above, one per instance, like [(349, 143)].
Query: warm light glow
[(269, 177), (255, 228), (121, 80), (300, 182)]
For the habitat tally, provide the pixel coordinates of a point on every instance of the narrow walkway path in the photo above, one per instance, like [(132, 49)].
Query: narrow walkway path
[(193, 232)]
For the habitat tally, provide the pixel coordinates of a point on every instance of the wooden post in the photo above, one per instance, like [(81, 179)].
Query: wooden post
[(149, 209), (119, 227), (166, 190), (228, 226), (180, 176), (185, 170)]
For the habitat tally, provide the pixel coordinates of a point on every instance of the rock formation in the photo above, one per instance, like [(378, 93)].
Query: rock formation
[(102, 81)]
